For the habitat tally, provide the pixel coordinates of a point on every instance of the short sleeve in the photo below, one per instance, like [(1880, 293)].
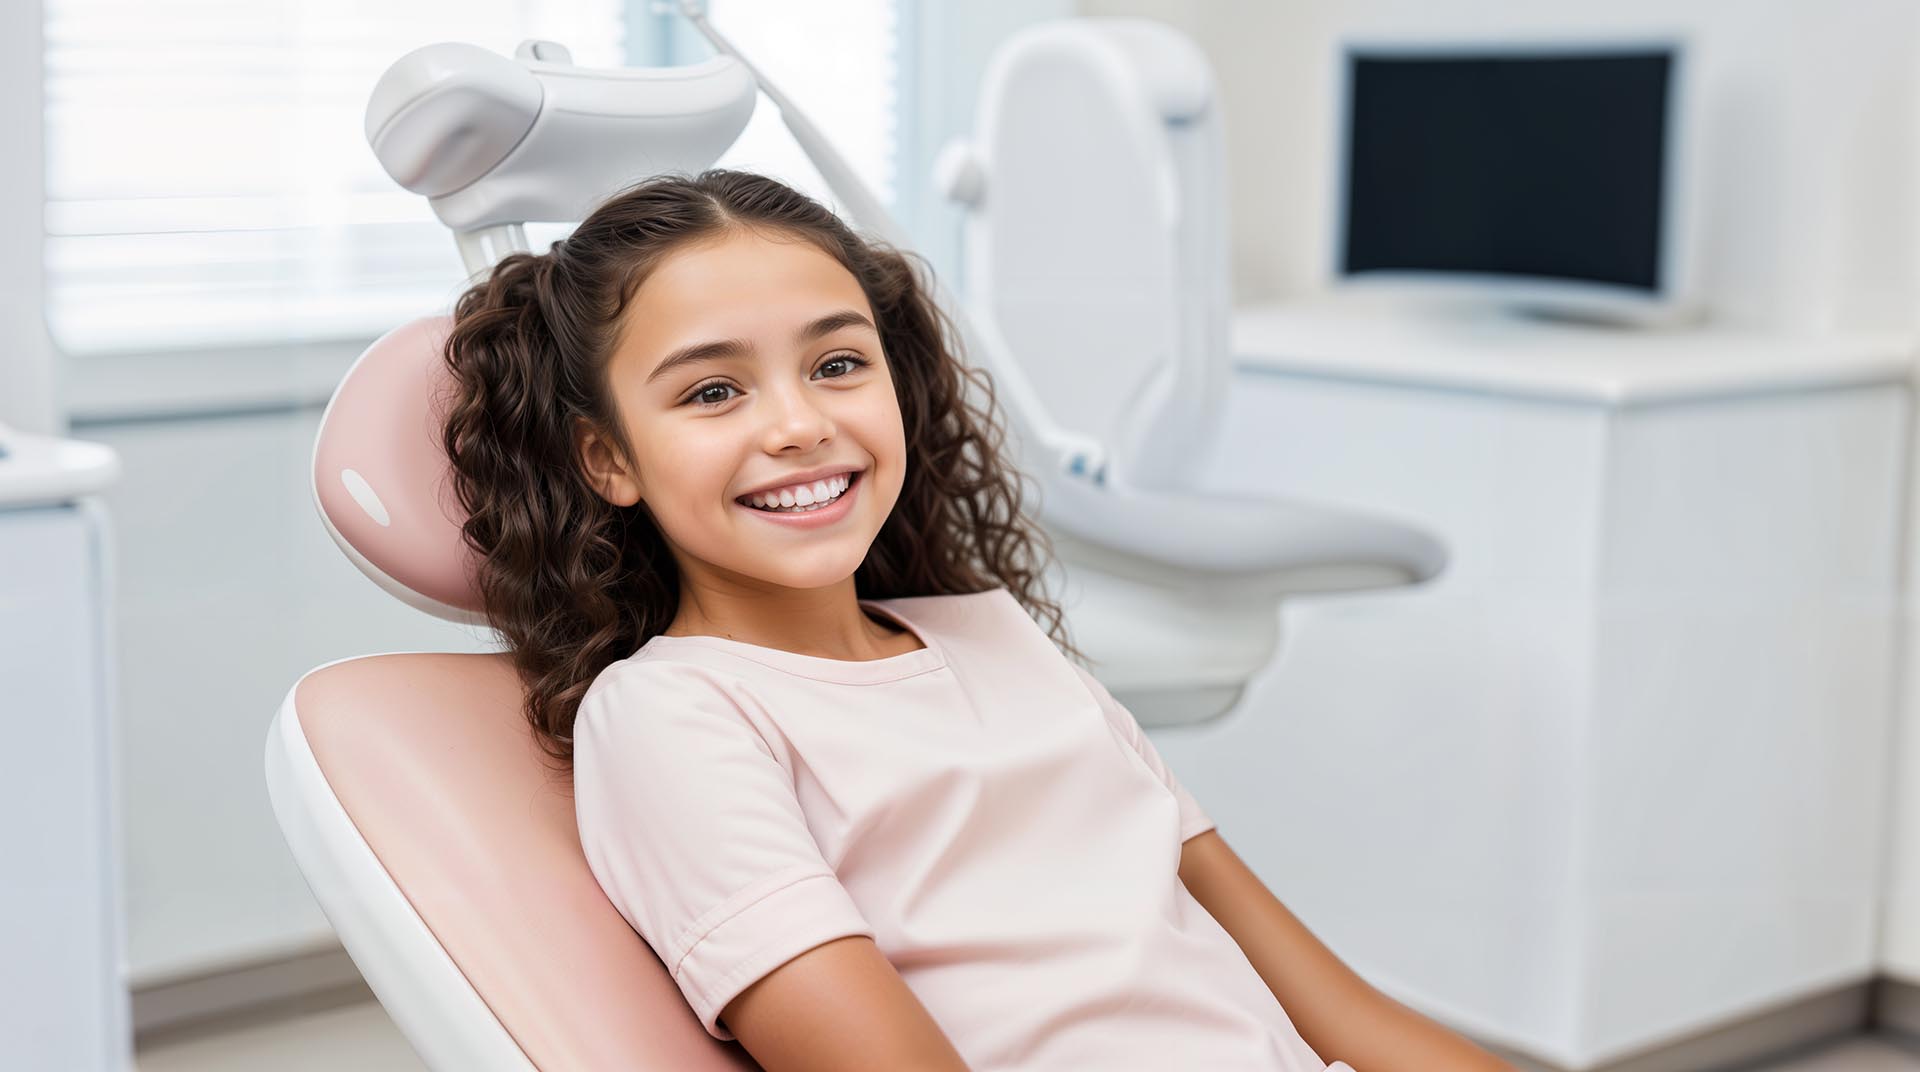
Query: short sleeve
[(693, 830), (1193, 820)]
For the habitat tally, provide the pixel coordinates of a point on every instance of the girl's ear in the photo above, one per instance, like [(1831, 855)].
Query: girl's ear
[(605, 466)]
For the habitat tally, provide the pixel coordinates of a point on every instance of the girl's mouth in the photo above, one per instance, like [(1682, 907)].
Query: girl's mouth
[(815, 515)]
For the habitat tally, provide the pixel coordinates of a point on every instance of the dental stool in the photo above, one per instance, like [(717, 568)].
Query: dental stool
[(415, 801), (1096, 258)]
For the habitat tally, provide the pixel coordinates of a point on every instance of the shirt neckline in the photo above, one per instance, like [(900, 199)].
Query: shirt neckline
[(843, 671)]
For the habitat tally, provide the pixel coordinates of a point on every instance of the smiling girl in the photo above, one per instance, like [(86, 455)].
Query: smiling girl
[(764, 572)]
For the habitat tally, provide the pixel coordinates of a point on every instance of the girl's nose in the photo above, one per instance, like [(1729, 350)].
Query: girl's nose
[(795, 418)]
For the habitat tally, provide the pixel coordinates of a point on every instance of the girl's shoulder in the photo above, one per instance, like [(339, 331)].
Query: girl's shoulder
[(653, 670), (651, 701)]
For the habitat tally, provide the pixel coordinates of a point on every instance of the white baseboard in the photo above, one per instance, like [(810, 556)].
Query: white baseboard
[(1896, 1008), (268, 990), (1760, 1035)]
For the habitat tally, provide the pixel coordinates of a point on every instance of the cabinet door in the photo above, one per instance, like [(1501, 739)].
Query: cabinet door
[(62, 1000)]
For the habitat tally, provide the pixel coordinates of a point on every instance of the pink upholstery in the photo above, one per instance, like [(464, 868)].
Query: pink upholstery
[(382, 432), (435, 765)]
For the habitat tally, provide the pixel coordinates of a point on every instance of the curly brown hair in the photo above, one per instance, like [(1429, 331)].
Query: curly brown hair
[(574, 583)]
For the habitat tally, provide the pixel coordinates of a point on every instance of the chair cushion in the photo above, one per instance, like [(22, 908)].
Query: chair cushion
[(436, 766)]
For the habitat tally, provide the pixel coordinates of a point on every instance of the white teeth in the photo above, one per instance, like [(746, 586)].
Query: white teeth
[(802, 497)]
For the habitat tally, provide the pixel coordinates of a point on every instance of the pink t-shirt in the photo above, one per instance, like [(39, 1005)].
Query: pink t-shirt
[(981, 808)]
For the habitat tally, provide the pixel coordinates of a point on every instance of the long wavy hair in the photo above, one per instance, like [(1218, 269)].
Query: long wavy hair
[(574, 583)]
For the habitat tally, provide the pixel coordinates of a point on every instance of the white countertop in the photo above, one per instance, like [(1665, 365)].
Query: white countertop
[(38, 469), (1485, 350)]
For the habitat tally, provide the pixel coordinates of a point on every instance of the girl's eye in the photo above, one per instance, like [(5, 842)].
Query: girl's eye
[(699, 398), (853, 361)]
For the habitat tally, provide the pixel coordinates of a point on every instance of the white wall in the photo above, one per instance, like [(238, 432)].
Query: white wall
[(1807, 156)]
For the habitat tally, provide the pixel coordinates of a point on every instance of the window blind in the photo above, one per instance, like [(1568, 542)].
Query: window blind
[(209, 182)]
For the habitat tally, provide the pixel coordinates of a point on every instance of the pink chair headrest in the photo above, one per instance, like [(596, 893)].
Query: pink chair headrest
[(381, 479)]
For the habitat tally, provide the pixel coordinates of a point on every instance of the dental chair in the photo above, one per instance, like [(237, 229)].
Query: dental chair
[(408, 785)]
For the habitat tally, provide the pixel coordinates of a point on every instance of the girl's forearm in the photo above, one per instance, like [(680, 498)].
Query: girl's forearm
[(1342, 1016), (1337, 1012), (1382, 1035)]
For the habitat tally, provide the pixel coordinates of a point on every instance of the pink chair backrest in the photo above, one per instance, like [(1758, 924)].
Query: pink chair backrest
[(433, 760), (380, 475)]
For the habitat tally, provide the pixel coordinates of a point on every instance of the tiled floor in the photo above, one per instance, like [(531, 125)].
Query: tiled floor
[(361, 1037)]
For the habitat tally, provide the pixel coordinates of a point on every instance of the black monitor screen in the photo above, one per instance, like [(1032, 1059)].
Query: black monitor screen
[(1542, 165)]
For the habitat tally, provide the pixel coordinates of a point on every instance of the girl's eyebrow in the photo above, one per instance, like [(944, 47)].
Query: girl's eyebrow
[(720, 348)]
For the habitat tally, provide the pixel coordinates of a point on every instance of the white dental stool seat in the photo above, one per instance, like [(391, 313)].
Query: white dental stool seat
[(1097, 263), (1095, 236)]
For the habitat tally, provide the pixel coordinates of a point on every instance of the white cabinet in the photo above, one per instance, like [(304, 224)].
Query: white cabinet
[(63, 993), (1618, 775)]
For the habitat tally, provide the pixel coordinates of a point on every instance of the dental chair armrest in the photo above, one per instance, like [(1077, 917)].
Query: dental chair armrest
[(1226, 536)]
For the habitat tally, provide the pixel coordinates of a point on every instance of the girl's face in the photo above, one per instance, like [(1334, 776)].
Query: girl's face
[(743, 364)]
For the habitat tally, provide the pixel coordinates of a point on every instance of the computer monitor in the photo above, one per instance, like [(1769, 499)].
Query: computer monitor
[(1550, 177)]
